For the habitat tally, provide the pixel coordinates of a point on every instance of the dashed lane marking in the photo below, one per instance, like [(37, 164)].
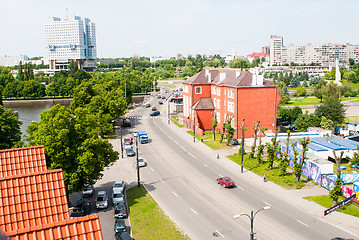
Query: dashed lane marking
[(152, 170), (302, 223), (267, 203), (175, 194), (191, 155), (220, 233), (176, 142), (161, 180), (343, 229), (184, 149), (194, 211), (240, 187), (205, 165), (220, 175)]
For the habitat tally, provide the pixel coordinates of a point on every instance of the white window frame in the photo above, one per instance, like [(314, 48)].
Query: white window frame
[(218, 91), (230, 106), (185, 89), (198, 88), (213, 90), (218, 117), (219, 103), (230, 93)]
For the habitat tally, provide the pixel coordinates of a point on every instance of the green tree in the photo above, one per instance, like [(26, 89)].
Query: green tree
[(300, 92), (298, 168), (319, 89), (10, 133), (326, 123), (229, 129), (306, 120), (72, 142), (73, 68), (332, 109), (337, 191), (351, 76), (214, 125)]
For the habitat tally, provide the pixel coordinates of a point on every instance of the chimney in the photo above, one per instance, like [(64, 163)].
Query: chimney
[(209, 77), (254, 79), (222, 76), (238, 73), (206, 72), (260, 80)]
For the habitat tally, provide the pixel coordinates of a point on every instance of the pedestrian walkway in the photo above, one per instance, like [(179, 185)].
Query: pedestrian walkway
[(295, 197)]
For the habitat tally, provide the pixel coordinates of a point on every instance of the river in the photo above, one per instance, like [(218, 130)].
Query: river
[(30, 110)]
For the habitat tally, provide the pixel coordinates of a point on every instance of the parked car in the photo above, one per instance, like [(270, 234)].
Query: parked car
[(76, 212), (163, 97), (284, 123), (117, 197), (292, 127), (148, 105), (130, 152), (226, 182), (123, 236), (154, 108), (141, 162), (135, 133), (128, 140), (158, 96), (234, 142), (101, 200), (120, 210), (87, 191), (119, 185), (155, 113), (125, 123), (127, 145), (119, 225), (160, 102)]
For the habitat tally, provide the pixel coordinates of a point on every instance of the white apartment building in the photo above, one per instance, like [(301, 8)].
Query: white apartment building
[(324, 54), (10, 61), (70, 38)]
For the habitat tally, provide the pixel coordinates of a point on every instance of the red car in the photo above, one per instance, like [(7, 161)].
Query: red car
[(226, 182), (128, 140)]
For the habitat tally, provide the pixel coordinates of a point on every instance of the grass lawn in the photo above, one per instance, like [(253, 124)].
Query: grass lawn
[(351, 208), (148, 221), (175, 122), (303, 101), (287, 181), (215, 145), (207, 139)]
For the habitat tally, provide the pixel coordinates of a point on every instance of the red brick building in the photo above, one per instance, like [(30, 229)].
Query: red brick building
[(229, 95)]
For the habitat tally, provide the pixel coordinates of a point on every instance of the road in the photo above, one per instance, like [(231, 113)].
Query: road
[(181, 177)]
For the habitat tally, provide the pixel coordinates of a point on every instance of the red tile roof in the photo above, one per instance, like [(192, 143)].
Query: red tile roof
[(32, 199), (78, 228), (257, 55), (203, 103), (22, 160)]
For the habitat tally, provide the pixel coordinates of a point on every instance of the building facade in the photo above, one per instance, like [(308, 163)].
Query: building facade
[(324, 54), (229, 96), (70, 38)]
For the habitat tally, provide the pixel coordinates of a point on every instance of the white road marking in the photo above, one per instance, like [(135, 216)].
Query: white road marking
[(161, 180), (194, 211), (183, 148), (343, 229), (175, 194), (220, 233), (176, 142), (220, 175), (302, 223), (152, 170), (205, 165), (169, 136), (191, 155), (267, 203), (240, 187)]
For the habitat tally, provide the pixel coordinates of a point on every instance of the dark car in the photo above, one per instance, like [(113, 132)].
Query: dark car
[(158, 96), (130, 152), (226, 182), (120, 210), (148, 105), (163, 97), (285, 123), (123, 236), (119, 225), (155, 113), (87, 191), (292, 127), (154, 108), (125, 123), (234, 142), (160, 102)]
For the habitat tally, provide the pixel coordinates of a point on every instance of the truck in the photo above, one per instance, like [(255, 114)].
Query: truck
[(142, 136)]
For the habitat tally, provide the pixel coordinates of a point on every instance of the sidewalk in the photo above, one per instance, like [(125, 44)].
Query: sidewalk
[(345, 222)]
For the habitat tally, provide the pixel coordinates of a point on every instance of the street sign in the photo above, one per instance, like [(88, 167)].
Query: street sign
[(341, 204)]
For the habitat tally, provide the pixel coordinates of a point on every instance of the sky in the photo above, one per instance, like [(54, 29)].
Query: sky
[(168, 27)]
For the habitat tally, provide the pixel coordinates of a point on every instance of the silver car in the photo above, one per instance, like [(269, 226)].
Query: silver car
[(118, 186), (141, 162), (117, 197), (101, 200)]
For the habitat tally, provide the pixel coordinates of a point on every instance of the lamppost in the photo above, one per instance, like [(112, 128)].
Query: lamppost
[(251, 217), (194, 126), (121, 141), (138, 167)]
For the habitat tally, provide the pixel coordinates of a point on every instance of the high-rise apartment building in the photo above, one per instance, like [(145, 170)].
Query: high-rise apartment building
[(70, 38), (324, 54)]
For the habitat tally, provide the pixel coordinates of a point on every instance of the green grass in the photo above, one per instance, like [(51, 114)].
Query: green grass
[(215, 145), (351, 208), (351, 99), (174, 120), (303, 101), (148, 221), (287, 181)]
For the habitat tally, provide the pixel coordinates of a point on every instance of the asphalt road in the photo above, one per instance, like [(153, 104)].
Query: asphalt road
[(181, 177)]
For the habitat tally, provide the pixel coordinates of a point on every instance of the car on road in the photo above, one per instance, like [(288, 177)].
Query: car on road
[(120, 210), (154, 108), (126, 145), (148, 105), (226, 182), (158, 96), (163, 97), (234, 142), (119, 225), (284, 123), (292, 127), (135, 133), (125, 123), (87, 191), (128, 140), (130, 152), (160, 102), (155, 113), (117, 197), (119, 186), (102, 199), (141, 162), (123, 236)]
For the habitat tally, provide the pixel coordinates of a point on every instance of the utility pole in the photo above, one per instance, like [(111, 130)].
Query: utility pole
[(138, 167), (194, 127), (242, 147), (121, 141)]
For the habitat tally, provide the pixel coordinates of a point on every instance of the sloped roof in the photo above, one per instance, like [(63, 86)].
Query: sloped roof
[(257, 55), (22, 161), (203, 103), (32, 199), (201, 78), (87, 227)]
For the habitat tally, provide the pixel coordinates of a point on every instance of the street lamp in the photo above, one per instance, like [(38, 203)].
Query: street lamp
[(121, 141), (251, 217), (138, 167)]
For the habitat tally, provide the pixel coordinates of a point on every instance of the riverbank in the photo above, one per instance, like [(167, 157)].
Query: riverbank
[(54, 101)]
